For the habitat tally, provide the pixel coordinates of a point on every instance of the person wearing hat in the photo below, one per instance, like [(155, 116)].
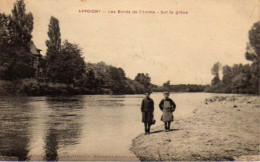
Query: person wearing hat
[(147, 109), (168, 107)]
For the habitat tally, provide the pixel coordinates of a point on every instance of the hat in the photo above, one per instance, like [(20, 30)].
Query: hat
[(166, 92), (148, 92)]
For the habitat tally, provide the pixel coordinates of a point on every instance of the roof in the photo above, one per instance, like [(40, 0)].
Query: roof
[(34, 50)]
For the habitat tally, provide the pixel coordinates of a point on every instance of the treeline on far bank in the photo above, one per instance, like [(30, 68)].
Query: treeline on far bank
[(98, 78), (240, 78), (237, 79), (181, 87)]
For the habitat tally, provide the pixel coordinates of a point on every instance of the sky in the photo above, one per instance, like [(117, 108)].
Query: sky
[(181, 48)]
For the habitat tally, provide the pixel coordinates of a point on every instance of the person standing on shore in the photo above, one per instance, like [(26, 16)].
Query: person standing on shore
[(168, 107), (147, 110)]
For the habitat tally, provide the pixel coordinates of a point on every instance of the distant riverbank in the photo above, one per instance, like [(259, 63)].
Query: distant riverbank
[(222, 128), (34, 87)]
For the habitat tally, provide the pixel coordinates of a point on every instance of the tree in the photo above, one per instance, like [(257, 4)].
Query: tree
[(167, 85), (143, 79), (54, 42), (90, 80), (215, 71), (227, 75), (117, 79), (253, 48), (54, 60), (68, 66), (107, 77), (23, 24), (16, 28), (253, 54), (241, 78), (15, 31)]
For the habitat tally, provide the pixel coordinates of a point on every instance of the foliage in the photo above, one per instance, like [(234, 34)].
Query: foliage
[(253, 54), (134, 87), (101, 76), (117, 79), (253, 49), (89, 80), (167, 85), (68, 65), (182, 88), (241, 78), (143, 79), (32, 87), (14, 64), (23, 24), (54, 42), (53, 54), (215, 71), (15, 32), (236, 79)]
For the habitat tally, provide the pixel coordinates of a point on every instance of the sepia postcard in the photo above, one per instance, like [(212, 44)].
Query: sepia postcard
[(129, 80)]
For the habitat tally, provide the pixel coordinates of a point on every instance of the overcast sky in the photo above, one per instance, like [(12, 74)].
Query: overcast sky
[(179, 48)]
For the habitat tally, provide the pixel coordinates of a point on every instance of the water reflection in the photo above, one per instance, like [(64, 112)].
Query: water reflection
[(14, 128), (108, 101), (63, 124), (23, 120), (51, 146)]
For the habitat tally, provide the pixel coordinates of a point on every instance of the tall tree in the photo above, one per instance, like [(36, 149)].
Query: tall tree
[(215, 71), (15, 30), (253, 48), (23, 24), (54, 42), (53, 49), (253, 54)]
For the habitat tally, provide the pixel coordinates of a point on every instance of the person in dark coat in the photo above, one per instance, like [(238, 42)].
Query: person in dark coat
[(147, 109), (168, 107)]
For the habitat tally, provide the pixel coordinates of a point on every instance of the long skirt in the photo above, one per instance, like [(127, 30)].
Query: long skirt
[(167, 115), (147, 117)]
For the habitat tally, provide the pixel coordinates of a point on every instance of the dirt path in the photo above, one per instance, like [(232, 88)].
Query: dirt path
[(223, 128)]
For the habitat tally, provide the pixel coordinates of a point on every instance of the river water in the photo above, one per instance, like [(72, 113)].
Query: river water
[(87, 127)]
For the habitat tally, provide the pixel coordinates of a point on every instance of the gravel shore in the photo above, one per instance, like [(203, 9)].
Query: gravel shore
[(221, 128)]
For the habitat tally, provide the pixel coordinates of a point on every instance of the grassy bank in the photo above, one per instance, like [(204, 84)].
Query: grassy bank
[(32, 87), (222, 128)]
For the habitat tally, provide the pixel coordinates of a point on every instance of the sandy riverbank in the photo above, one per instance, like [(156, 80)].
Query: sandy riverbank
[(222, 128)]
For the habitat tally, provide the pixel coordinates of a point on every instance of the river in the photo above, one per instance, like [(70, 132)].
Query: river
[(87, 127)]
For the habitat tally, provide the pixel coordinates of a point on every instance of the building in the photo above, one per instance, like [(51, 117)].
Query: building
[(36, 61)]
